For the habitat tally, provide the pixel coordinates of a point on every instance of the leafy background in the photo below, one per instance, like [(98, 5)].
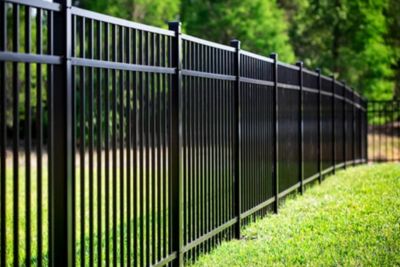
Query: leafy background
[(357, 40)]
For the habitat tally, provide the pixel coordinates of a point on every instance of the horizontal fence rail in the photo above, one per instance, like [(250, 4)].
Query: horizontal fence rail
[(126, 144)]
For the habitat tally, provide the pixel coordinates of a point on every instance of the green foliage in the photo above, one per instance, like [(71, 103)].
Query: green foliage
[(346, 38), (259, 24), (152, 12), (393, 39), (356, 40), (352, 219)]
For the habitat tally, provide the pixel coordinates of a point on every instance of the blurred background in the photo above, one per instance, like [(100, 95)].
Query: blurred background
[(357, 40)]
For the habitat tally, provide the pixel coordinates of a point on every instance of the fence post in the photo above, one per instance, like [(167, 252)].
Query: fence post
[(319, 127), (344, 124), (354, 129), (62, 185), (361, 131), (3, 137), (275, 175), (361, 118), (301, 126), (176, 231), (333, 125), (237, 178)]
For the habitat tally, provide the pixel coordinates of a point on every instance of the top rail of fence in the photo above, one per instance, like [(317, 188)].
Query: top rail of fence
[(256, 56), (289, 66), (117, 21), (37, 4), (200, 41)]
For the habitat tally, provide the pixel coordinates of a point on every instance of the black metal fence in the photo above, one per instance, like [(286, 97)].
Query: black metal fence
[(384, 131), (127, 144)]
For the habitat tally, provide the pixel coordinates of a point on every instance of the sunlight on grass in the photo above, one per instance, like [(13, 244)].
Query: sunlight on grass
[(352, 219)]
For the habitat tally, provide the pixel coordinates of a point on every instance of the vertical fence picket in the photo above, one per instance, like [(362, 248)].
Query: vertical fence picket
[(28, 140), (50, 131), (15, 87), (99, 145), (107, 148), (91, 143)]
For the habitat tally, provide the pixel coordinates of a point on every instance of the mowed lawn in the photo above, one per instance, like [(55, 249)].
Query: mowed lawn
[(158, 211), (351, 219)]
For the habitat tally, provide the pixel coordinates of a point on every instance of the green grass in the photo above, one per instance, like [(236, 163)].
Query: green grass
[(150, 219), (352, 219)]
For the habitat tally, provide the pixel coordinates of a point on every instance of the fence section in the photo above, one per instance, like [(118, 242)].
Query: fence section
[(289, 132), (208, 135), (384, 131), (122, 143), (257, 126), (28, 64), (121, 116)]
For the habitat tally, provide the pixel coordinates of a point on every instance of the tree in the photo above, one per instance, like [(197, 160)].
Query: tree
[(393, 39), (259, 24), (152, 12), (345, 38)]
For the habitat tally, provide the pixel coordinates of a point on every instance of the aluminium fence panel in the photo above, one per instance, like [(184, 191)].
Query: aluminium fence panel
[(288, 117), (357, 127), (27, 63), (311, 124), (208, 130), (122, 112), (327, 115), (339, 126), (383, 131), (256, 132), (364, 130), (349, 114)]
